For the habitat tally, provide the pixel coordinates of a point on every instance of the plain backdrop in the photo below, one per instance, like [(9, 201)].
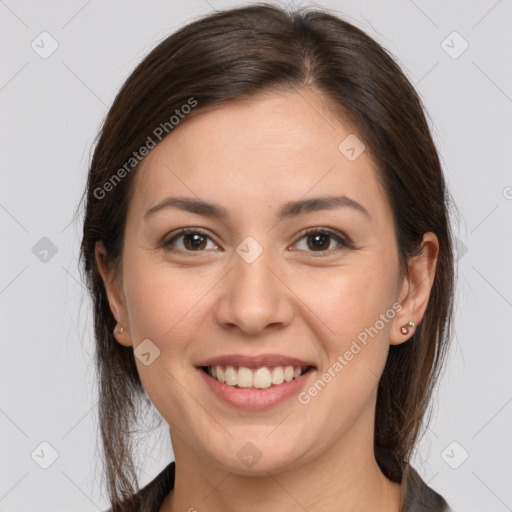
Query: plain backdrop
[(457, 54)]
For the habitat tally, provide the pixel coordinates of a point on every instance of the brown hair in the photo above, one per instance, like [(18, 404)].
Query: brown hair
[(230, 55)]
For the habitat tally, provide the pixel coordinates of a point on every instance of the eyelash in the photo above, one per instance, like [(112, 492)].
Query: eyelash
[(343, 241)]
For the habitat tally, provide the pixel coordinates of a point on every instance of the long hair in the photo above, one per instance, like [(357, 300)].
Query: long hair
[(234, 54)]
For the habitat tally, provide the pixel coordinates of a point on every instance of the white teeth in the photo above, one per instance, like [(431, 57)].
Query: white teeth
[(278, 375), (231, 377), (244, 377), (261, 378)]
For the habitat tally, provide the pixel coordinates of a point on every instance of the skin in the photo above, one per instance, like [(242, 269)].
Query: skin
[(251, 157)]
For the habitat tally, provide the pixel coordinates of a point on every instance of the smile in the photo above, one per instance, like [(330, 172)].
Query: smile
[(258, 378), (248, 396)]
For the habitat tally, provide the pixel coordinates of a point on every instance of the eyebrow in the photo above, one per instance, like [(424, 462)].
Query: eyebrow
[(290, 209)]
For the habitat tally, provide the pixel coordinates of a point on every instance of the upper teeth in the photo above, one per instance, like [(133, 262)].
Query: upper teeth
[(259, 378)]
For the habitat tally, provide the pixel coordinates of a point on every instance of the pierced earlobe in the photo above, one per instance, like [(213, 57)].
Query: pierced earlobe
[(405, 328), (122, 336)]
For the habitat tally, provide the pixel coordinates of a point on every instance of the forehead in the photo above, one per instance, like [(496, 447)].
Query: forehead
[(271, 147)]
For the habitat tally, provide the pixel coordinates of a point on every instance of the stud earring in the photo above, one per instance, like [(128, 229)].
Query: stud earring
[(120, 330), (405, 328)]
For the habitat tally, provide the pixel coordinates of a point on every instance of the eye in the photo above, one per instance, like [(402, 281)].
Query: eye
[(194, 240), (320, 239)]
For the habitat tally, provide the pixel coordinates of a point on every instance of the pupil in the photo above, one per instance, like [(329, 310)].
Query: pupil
[(197, 240), (322, 240)]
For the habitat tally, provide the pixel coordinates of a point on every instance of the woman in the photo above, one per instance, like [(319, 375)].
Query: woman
[(267, 246)]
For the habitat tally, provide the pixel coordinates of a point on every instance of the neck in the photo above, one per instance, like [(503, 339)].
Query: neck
[(344, 477)]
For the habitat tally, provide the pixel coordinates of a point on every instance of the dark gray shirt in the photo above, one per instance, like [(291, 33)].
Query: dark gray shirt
[(417, 495)]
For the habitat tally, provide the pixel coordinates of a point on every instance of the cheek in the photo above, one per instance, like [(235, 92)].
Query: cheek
[(350, 299), (165, 303), (166, 306), (356, 304)]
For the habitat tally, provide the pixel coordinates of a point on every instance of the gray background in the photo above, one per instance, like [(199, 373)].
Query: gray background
[(51, 109)]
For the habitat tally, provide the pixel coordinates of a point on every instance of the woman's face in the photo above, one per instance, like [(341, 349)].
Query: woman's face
[(251, 282)]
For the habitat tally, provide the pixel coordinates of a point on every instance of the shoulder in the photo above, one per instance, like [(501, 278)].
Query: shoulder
[(418, 496), (153, 493)]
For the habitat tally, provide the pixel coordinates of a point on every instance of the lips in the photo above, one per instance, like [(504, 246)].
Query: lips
[(255, 362), (254, 398)]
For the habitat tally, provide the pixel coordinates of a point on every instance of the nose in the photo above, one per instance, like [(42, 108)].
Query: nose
[(254, 296)]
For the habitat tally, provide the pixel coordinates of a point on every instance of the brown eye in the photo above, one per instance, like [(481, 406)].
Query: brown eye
[(321, 240), (192, 240)]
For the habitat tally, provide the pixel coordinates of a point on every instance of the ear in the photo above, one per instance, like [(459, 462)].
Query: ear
[(415, 289), (115, 295)]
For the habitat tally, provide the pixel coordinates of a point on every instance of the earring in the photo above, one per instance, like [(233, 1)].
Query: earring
[(120, 330), (405, 328)]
